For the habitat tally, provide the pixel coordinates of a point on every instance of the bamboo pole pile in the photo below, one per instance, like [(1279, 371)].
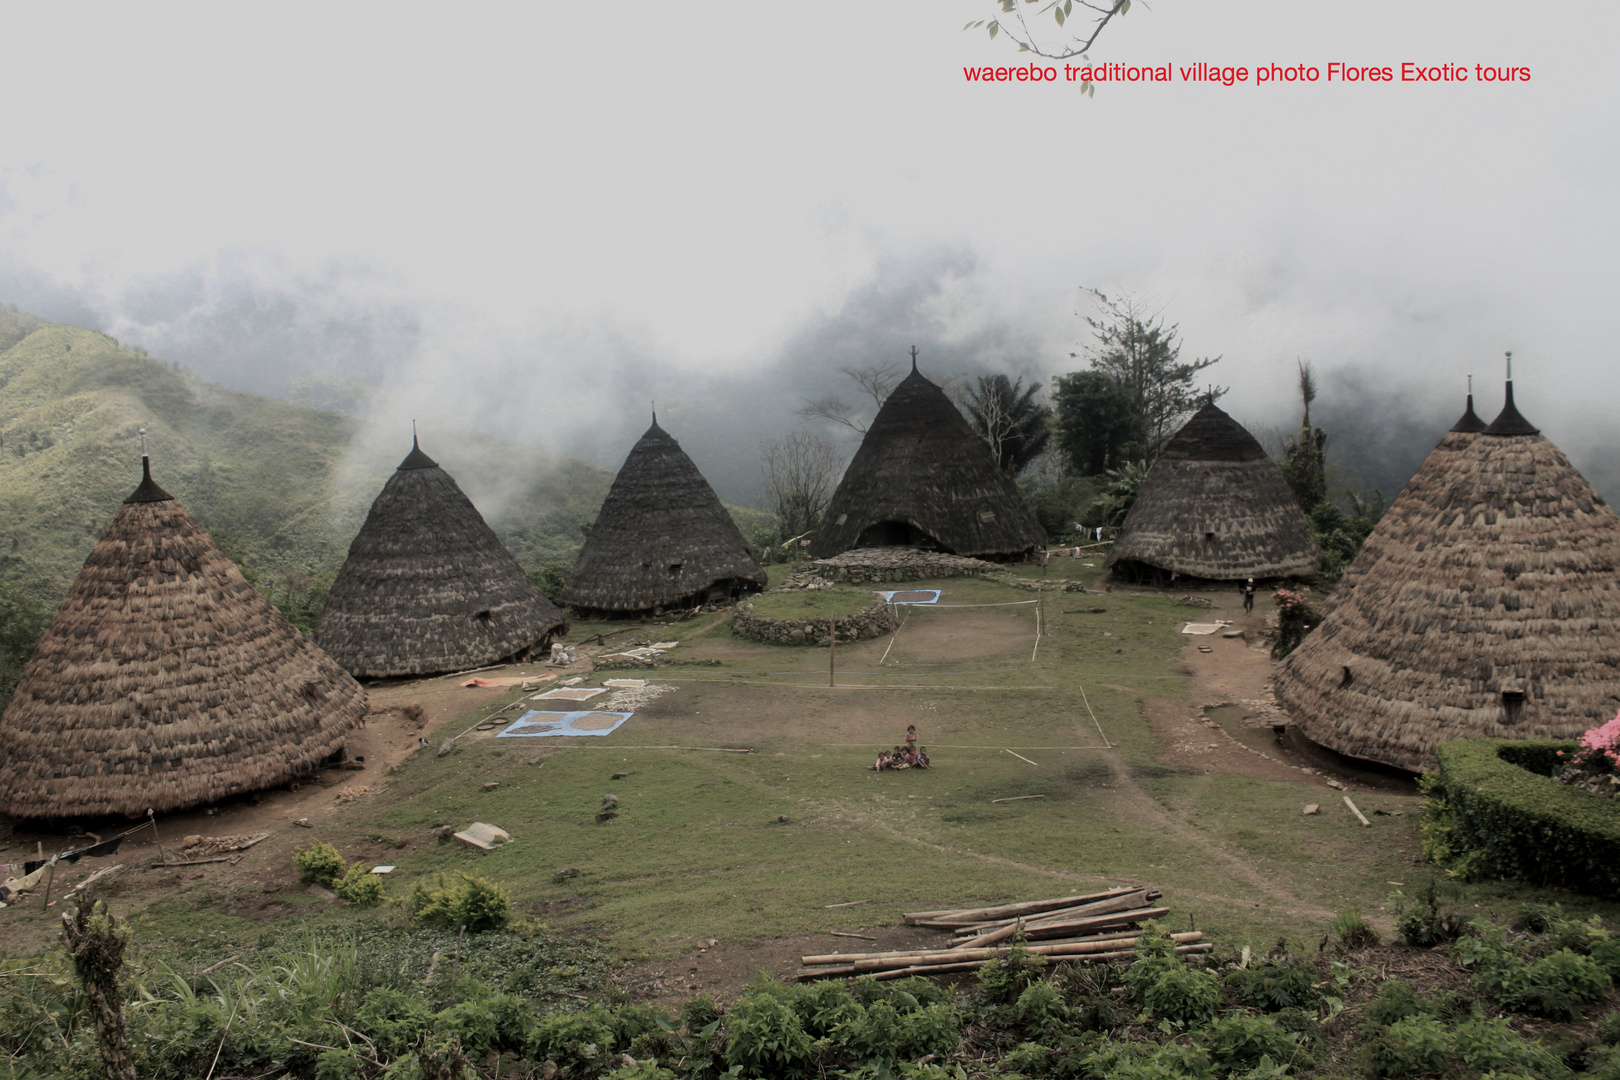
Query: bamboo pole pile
[(1066, 929)]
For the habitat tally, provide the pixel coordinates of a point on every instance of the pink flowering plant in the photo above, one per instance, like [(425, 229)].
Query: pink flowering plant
[(1600, 750)]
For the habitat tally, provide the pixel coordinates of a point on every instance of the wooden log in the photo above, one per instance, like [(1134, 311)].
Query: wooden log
[(1012, 911), (946, 969), (949, 956), (1096, 939), (1135, 898), (992, 937), (1359, 816)]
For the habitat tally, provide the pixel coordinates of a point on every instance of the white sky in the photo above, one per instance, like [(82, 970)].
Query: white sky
[(580, 205)]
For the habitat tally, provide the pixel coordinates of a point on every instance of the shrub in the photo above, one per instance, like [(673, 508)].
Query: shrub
[(319, 863), (1501, 807), (578, 1042), (359, 886), (1421, 922), (1353, 931), (1238, 1043), (1285, 984), (765, 1035), (1557, 986), (1004, 978), (468, 900)]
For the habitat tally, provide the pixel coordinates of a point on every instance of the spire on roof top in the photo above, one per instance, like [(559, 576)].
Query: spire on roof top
[(1509, 421), (914, 358), (416, 459), (1469, 421), (148, 491)]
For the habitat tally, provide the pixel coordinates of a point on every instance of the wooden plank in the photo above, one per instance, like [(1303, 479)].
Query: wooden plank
[(1012, 911)]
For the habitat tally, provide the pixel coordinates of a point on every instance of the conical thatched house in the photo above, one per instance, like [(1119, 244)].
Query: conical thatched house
[(1486, 604), (166, 681), (428, 587), (1214, 506), (662, 539), (923, 477)]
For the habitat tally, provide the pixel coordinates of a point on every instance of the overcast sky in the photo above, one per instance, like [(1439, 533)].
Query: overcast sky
[(537, 218)]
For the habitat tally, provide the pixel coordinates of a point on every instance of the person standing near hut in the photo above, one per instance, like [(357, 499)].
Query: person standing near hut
[(1248, 597)]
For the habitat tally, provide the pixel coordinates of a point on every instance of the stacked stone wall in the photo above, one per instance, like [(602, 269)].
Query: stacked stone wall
[(875, 621)]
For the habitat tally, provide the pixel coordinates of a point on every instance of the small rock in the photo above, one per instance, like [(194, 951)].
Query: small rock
[(191, 841), (303, 822), (1313, 808), (446, 747), (710, 942), (564, 875), (606, 815), (443, 833), (1335, 785), (622, 775), (782, 818), (492, 785), (610, 801)]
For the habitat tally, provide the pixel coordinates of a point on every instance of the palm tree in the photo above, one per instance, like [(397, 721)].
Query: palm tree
[(1007, 417)]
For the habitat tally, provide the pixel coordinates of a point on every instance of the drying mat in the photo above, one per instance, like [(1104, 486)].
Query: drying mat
[(570, 693), (911, 596), (1203, 627), (541, 724)]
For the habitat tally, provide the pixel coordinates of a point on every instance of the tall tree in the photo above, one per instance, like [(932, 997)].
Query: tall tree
[(1141, 354), (1007, 417), (876, 381), (801, 470), (1096, 425), (1304, 462)]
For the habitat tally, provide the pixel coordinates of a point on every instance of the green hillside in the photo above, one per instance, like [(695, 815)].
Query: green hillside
[(285, 487)]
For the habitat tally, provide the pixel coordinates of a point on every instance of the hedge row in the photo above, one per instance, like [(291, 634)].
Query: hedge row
[(1507, 816)]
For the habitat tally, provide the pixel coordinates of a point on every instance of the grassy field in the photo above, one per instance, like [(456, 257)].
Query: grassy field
[(757, 845), (712, 842)]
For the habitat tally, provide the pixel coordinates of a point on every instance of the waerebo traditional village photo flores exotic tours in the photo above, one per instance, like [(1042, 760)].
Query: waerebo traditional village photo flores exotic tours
[(682, 583)]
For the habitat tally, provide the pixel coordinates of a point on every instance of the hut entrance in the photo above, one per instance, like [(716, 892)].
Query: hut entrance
[(896, 534)]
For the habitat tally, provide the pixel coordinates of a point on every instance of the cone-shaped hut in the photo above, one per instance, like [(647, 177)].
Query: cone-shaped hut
[(923, 477), (1485, 604), (166, 681), (662, 538), (1214, 506), (428, 587)]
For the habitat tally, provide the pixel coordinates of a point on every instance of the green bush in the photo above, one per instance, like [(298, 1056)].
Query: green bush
[(1270, 986), (1238, 1043), (1353, 931), (1421, 922), (1500, 807), (466, 900), (1166, 986), (765, 1035), (578, 1042), (320, 863), (359, 886), (1558, 986)]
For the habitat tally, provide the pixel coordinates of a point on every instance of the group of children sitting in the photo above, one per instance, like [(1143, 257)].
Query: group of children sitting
[(909, 756)]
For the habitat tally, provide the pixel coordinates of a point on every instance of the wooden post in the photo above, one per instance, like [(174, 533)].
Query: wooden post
[(832, 655)]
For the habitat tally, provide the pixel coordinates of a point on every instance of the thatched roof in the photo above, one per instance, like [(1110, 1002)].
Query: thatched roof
[(923, 477), (166, 681), (428, 587), (662, 537), (1215, 506), (1486, 604)]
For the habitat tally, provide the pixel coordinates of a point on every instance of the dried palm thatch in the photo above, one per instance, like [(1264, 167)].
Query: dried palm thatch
[(1484, 605), (923, 478), (428, 587), (166, 681), (662, 538), (1214, 506)]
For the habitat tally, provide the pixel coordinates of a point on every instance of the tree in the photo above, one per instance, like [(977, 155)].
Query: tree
[(1096, 426), (1007, 417), (801, 470), (1120, 493), (1142, 355), (1062, 11), (876, 381), (1304, 462)]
